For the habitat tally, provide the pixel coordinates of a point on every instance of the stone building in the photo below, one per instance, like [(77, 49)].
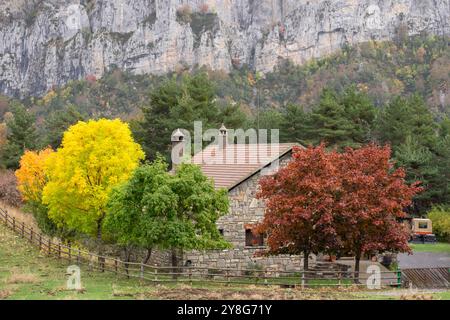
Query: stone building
[(238, 168)]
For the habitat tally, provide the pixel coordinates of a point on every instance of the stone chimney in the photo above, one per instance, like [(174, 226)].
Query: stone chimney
[(223, 137), (177, 145)]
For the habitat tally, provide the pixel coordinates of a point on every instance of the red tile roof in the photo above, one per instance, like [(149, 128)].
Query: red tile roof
[(235, 163)]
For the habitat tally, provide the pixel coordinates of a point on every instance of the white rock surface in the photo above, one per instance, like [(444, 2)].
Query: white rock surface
[(47, 43)]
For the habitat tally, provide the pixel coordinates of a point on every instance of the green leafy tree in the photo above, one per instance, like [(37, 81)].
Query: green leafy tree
[(440, 217), (141, 208), (21, 136), (156, 209)]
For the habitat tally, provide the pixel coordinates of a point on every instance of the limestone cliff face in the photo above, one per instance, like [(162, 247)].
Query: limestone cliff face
[(45, 43)]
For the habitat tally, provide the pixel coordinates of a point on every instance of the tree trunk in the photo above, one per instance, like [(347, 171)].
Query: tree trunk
[(305, 268), (174, 263), (99, 231), (305, 260), (101, 259), (148, 255), (127, 259), (357, 260)]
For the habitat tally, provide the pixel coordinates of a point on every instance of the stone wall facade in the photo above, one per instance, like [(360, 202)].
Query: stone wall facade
[(245, 210)]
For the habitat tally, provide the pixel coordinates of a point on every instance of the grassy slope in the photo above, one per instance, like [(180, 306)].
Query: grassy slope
[(27, 274), (436, 248)]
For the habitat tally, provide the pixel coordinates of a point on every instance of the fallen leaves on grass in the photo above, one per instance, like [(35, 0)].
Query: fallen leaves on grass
[(248, 293), (416, 297), (5, 293), (17, 277)]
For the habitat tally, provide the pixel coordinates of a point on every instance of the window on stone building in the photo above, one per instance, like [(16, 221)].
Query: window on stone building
[(253, 240), (221, 232)]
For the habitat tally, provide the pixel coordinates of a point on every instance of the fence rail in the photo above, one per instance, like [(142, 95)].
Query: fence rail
[(426, 278), (191, 274)]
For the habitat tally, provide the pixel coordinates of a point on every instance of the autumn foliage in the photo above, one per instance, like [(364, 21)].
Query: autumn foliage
[(325, 201), (31, 177), (95, 156)]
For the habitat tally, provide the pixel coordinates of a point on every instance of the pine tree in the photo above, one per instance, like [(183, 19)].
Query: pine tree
[(408, 125), (21, 136), (177, 104), (404, 117), (327, 121), (341, 120), (293, 125), (420, 165), (443, 163), (57, 123)]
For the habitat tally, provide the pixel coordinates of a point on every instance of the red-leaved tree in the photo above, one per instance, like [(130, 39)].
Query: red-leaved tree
[(300, 201), (325, 201), (372, 202)]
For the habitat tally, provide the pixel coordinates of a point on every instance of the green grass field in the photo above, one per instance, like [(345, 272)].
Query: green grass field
[(26, 274), (439, 247)]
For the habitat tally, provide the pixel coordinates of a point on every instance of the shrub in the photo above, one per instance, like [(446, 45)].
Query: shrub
[(8, 189), (254, 270), (440, 218), (204, 8), (184, 13)]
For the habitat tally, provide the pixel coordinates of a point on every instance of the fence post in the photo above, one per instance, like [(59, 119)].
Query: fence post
[(399, 278), (101, 262), (90, 262), (303, 279), (142, 271), (190, 276), (70, 251), (40, 242), (14, 223), (31, 235), (79, 257), (116, 267), (49, 243), (22, 231)]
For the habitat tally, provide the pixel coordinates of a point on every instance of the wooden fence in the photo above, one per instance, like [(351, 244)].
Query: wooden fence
[(427, 278), (159, 274)]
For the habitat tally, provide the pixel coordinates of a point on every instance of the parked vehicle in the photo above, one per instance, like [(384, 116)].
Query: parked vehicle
[(422, 231)]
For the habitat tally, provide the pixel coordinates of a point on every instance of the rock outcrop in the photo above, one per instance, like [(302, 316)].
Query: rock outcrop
[(47, 43)]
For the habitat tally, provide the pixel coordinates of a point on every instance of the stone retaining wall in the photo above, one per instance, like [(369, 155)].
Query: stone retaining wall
[(245, 259)]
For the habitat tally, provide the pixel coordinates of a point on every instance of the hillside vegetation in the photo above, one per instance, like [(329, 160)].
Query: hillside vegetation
[(377, 92), (384, 69)]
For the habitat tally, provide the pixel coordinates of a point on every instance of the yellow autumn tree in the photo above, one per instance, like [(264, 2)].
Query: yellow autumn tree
[(30, 176), (94, 157)]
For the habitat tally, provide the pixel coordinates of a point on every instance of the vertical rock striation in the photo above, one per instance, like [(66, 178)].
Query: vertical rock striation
[(47, 43)]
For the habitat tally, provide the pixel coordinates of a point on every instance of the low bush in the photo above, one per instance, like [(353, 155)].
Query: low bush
[(8, 189), (440, 218)]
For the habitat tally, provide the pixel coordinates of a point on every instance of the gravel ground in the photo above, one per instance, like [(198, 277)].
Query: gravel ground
[(424, 260)]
